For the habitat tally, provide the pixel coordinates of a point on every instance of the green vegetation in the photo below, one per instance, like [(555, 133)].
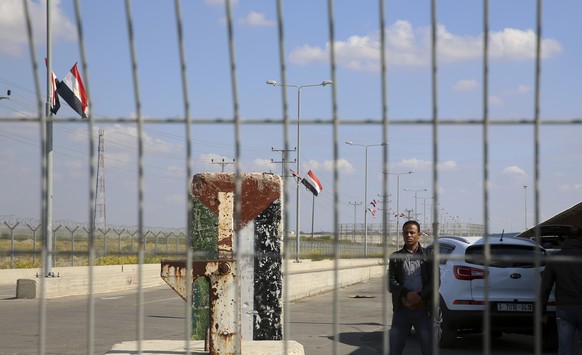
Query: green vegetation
[(110, 250)]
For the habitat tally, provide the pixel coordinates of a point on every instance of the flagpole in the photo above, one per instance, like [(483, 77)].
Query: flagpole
[(312, 213), (48, 262)]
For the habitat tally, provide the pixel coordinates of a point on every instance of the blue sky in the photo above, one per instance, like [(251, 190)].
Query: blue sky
[(109, 80)]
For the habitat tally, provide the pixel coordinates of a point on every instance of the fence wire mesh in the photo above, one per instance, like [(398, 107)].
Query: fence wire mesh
[(51, 244)]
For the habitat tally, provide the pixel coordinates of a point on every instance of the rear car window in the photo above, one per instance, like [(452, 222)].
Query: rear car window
[(444, 249), (504, 255)]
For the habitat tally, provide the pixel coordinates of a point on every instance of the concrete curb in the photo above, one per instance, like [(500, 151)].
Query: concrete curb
[(177, 347)]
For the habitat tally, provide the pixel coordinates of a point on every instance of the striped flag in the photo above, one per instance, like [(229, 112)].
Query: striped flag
[(73, 92), (55, 102), (312, 183), (297, 176)]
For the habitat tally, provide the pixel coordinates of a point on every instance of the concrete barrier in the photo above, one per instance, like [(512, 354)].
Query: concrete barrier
[(72, 281), (303, 279)]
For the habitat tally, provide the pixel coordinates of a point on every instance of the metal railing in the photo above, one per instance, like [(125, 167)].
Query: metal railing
[(142, 241)]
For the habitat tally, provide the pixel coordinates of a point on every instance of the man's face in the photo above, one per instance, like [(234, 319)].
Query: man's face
[(410, 235)]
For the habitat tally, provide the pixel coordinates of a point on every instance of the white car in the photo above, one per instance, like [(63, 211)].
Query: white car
[(511, 283)]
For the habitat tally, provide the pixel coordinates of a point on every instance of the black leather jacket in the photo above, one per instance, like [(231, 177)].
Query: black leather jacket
[(566, 276), (396, 278)]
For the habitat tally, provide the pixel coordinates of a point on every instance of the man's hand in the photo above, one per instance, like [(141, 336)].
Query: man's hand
[(413, 297), (412, 300)]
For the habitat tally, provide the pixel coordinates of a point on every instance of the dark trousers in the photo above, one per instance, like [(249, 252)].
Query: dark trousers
[(569, 329), (402, 321)]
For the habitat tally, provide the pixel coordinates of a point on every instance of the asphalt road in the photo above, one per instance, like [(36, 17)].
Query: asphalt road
[(310, 322)]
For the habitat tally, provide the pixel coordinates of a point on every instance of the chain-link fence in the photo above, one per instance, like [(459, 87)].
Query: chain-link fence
[(426, 132)]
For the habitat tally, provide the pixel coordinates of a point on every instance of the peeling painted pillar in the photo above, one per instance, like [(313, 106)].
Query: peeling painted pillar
[(256, 241)]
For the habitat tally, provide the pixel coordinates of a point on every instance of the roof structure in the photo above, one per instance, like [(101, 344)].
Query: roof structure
[(571, 217)]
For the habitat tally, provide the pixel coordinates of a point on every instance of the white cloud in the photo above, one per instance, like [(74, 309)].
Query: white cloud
[(263, 164), (311, 164), (465, 85), (415, 164), (514, 170), (408, 46), (343, 165), (495, 100), (13, 34), (447, 165), (256, 19), (523, 89)]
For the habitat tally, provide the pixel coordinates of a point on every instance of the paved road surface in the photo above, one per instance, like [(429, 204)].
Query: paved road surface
[(311, 320)]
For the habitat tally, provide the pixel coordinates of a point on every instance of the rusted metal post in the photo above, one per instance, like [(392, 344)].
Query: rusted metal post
[(253, 312)]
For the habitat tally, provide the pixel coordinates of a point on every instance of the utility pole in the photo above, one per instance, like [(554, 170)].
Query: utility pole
[(355, 204), (284, 159), (222, 163), (100, 216)]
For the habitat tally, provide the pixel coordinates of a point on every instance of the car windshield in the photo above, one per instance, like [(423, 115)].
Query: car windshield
[(504, 255)]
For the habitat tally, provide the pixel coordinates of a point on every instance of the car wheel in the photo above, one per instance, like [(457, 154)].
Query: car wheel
[(447, 335)]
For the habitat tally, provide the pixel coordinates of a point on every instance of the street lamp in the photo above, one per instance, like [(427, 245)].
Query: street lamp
[(366, 192), (415, 197), (298, 87), (398, 202)]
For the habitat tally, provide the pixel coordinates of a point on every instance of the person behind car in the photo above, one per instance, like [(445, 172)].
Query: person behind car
[(566, 275), (411, 284)]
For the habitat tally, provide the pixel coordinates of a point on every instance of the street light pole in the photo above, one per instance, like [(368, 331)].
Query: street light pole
[(366, 192), (398, 203), (415, 199), (355, 204), (424, 209), (298, 87)]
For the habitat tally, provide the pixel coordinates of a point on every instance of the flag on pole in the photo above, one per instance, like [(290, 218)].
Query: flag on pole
[(73, 92), (312, 183), (55, 102), (295, 175), (374, 202), (372, 211)]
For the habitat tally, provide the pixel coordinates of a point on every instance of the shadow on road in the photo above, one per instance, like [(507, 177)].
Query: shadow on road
[(371, 343)]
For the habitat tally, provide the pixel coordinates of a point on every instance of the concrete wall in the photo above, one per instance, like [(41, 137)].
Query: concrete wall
[(302, 280), (70, 281), (310, 278)]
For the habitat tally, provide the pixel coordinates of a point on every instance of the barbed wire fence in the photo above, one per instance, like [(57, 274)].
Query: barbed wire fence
[(21, 242)]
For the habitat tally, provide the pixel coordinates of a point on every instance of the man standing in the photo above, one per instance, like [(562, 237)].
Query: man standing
[(566, 275), (411, 282)]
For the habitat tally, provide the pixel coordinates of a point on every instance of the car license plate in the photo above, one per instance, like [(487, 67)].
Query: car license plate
[(515, 307)]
